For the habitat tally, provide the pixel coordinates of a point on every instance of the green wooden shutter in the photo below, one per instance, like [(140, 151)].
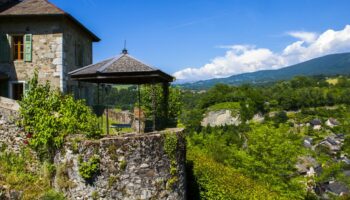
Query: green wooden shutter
[(4, 48), (28, 47)]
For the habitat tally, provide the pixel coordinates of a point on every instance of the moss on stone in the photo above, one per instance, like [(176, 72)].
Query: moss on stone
[(112, 180), (123, 165)]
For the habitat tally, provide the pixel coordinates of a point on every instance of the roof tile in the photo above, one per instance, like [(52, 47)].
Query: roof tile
[(32, 7)]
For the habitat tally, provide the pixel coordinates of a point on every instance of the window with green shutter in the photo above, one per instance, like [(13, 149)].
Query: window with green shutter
[(28, 47), (4, 49)]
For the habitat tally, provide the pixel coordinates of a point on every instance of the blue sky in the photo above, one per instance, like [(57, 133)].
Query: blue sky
[(177, 34)]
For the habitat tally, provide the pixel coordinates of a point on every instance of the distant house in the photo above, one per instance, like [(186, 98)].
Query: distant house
[(331, 122), (337, 188), (333, 187), (316, 124), (308, 166), (37, 34), (308, 142), (347, 173), (340, 137), (333, 144), (345, 159)]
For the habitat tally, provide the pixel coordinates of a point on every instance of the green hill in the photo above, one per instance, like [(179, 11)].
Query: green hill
[(334, 64)]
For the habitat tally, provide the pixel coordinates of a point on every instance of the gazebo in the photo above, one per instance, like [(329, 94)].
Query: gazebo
[(126, 70)]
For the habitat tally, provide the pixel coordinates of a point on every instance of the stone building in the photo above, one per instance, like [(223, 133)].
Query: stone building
[(37, 34)]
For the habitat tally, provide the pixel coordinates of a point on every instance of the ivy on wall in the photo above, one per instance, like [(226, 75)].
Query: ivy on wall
[(170, 148)]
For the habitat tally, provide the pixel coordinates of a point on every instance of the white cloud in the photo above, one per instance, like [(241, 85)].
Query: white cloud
[(246, 58), (303, 36)]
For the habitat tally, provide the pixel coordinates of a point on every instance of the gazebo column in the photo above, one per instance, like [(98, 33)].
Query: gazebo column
[(165, 104)]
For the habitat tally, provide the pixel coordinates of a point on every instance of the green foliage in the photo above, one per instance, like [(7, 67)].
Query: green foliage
[(217, 181), (170, 148), (123, 165), (153, 95), (233, 106), (17, 172), (270, 156), (95, 195), (170, 145), (62, 177), (280, 117), (123, 97), (112, 180), (52, 195), (170, 184), (48, 117), (89, 169), (265, 153)]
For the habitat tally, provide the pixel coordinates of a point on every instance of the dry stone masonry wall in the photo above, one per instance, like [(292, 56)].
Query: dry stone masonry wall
[(130, 167), (133, 166), (11, 136)]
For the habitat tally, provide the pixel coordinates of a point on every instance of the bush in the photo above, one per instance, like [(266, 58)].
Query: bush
[(48, 116)]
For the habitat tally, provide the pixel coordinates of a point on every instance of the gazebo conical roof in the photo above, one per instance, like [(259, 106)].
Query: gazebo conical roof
[(122, 69)]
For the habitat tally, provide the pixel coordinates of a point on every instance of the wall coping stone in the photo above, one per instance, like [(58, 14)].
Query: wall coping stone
[(9, 104)]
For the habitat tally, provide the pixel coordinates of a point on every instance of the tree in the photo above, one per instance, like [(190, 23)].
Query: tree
[(270, 156)]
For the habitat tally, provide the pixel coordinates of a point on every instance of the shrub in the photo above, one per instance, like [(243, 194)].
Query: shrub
[(48, 116)]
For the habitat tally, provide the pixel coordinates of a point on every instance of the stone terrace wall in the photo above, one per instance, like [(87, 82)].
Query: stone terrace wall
[(11, 136), (131, 167)]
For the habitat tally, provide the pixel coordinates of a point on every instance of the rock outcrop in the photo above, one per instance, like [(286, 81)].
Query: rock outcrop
[(220, 118)]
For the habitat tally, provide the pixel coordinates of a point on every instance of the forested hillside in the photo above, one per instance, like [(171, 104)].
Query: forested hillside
[(298, 150), (330, 65)]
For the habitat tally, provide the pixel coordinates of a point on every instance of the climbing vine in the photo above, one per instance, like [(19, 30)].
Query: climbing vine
[(170, 148)]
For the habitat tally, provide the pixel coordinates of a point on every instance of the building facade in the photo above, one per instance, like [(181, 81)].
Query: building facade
[(35, 34)]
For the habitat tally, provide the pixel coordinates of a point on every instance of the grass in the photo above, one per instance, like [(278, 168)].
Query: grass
[(23, 172)]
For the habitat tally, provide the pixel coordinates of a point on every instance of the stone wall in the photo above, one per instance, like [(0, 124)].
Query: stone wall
[(11, 136), (131, 167), (53, 50), (74, 36), (47, 42)]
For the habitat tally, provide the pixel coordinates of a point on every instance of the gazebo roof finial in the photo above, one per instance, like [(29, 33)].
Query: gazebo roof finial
[(124, 51)]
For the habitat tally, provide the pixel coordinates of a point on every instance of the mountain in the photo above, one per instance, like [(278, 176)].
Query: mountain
[(334, 64)]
